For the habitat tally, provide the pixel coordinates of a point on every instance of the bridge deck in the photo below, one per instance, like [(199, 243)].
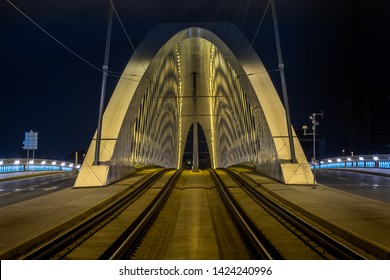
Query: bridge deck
[(361, 220), (364, 220)]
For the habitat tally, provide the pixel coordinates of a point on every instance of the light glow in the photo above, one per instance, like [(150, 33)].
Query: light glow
[(211, 105), (180, 109)]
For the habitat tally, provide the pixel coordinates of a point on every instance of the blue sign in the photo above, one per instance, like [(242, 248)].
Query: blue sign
[(31, 140)]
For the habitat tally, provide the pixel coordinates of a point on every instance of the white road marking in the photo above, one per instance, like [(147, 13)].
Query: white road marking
[(363, 184), (4, 194), (341, 178), (49, 189)]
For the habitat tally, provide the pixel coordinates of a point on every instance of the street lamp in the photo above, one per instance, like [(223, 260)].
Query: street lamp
[(314, 123)]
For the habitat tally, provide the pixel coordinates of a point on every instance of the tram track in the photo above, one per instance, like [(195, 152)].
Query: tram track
[(263, 229), (258, 244), (63, 244), (127, 242), (325, 246), (194, 224)]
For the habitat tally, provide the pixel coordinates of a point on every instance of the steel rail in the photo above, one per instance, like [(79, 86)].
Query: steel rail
[(334, 247), (53, 247), (126, 242), (260, 244)]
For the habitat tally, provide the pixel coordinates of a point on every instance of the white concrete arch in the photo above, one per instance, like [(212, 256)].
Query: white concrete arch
[(149, 114)]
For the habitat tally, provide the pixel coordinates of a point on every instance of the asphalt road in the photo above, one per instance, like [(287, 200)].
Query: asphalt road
[(370, 186), (22, 189)]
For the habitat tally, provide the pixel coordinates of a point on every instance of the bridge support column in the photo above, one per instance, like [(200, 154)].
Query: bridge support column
[(195, 150)]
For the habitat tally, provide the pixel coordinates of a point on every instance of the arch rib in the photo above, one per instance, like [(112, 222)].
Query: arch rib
[(146, 120)]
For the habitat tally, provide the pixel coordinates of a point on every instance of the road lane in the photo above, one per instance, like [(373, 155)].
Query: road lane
[(367, 185), (23, 189)]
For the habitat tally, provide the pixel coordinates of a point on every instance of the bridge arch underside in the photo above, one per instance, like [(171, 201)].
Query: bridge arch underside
[(151, 111)]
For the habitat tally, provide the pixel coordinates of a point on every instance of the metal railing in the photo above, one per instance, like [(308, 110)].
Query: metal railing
[(25, 165), (358, 161)]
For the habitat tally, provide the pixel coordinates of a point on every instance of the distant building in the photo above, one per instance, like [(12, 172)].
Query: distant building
[(366, 123), (366, 110)]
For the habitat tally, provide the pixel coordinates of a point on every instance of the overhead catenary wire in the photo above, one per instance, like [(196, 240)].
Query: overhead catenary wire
[(55, 39), (115, 74), (257, 31), (127, 35), (110, 73)]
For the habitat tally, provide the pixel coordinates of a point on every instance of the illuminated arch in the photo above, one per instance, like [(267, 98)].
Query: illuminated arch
[(149, 114)]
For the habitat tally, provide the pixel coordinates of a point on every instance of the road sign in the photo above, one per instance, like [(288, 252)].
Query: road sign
[(31, 140)]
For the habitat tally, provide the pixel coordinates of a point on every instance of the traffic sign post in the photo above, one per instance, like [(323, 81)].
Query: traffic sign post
[(30, 143)]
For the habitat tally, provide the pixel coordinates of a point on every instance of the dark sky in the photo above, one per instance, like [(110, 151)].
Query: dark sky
[(47, 89)]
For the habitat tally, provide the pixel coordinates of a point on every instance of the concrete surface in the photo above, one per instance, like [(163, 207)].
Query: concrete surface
[(364, 222)]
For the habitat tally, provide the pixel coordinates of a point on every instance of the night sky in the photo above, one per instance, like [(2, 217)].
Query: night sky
[(46, 89)]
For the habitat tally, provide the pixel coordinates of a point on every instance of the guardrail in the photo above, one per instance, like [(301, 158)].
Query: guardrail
[(24, 164), (359, 161)]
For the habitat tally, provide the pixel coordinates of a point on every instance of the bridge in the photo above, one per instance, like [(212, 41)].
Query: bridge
[(10, 165), (136, 201), (184, 77), (357, 161)]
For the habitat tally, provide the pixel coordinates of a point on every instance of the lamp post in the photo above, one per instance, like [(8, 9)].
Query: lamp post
[(314, 123)]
